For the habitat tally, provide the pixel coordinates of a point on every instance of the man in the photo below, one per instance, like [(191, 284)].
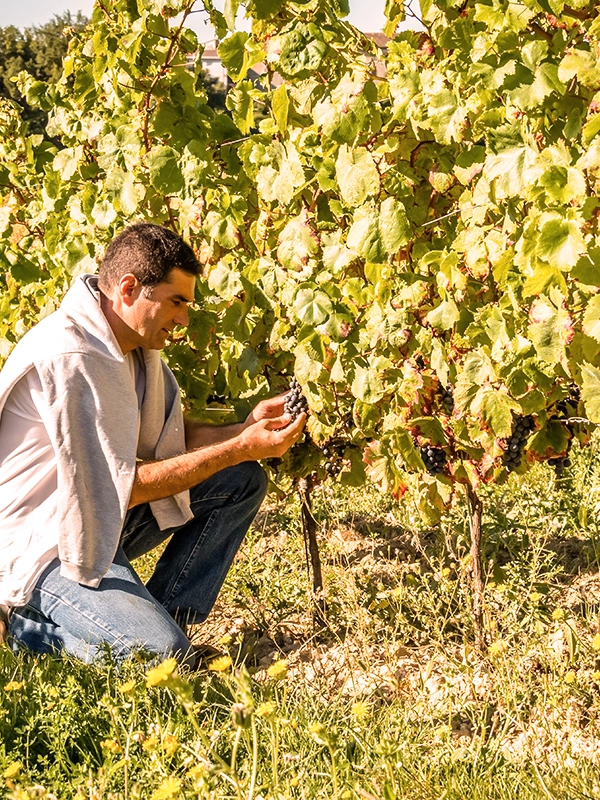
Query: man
[(98, 465)]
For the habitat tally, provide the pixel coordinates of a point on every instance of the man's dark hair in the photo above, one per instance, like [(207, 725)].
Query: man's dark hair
[(147, 251)]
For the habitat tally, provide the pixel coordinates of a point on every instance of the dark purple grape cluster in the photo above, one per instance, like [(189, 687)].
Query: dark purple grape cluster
[(434, 459), (334, 453), (295, 403), (447, 399), (521, 429), (560, 464)]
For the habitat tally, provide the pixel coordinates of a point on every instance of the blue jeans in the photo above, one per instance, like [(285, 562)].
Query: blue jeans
[(123, 613)]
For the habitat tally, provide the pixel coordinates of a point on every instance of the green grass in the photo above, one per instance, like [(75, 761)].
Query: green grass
[(389, 700)]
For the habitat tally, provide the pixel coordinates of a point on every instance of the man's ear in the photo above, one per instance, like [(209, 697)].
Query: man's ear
[(129, 288)]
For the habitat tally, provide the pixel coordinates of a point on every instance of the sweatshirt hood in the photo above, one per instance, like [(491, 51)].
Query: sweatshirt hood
[(81, 305)]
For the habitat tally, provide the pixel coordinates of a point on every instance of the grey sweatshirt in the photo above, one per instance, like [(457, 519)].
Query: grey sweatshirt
[(93, 427)]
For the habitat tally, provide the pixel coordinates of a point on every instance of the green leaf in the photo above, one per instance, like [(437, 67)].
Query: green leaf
[(364, 237), (311, 307), (230, 12), (405, 445), (357, 175), (297, 242), (104, 214), (444, 316), (221, 229), (67, 161), (267, 8), (394, 228), (240, 101), (165, 172), (131, 195), (367, 385), (550, 441), (591, 319), (281, 182), (496, 409), (550, 329), (225, 281), (582, 65), (280, 104), (590, 391), (446, 117), (239, 52), (559, 241), (512, 169), (302, 51)]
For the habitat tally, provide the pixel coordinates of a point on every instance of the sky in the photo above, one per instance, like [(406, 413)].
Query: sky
[(367, 15)]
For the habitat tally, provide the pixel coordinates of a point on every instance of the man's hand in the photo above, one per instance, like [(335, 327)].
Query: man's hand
[(272, 409), (271, 438)]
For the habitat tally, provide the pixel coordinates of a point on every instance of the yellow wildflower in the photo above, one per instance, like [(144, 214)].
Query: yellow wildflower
[(498, 647), (318, 733), (162, 673), (151, 743), (596, 676), (127, 687), (278, 669), (13, 686), (596, 642), (570, 677), (168, 789), (360, 710), (558, 614), (111, 745), (13, 769), (266, 709), (220, 664), (535, 596), (170, 744)]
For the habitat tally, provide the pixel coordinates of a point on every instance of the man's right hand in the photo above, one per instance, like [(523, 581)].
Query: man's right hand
[(265, 438), (271, 438)]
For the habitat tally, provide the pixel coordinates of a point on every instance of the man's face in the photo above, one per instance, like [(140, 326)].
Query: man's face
[(159, 309)]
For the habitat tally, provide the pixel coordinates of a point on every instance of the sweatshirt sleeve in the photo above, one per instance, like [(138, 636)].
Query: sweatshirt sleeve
[(91, 417)]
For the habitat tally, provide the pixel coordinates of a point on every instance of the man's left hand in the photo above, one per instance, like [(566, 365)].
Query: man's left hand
[(271, 408)]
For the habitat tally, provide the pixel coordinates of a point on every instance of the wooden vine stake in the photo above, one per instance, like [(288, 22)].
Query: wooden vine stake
[(475, 515), (313, 557)]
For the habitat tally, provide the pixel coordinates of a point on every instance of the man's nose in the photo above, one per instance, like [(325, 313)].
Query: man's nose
[(182, 317)]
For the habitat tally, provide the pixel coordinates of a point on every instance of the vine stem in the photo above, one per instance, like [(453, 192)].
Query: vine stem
[(309, 529), (475, 508)]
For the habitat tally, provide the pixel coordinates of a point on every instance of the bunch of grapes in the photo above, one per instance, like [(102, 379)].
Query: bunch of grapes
[(333, 452), (295, 403), (434, 459), (521, 429), (561, 463), (447, 399)]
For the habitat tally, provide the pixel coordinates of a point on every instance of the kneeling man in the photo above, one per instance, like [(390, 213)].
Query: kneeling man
[(98, 465)]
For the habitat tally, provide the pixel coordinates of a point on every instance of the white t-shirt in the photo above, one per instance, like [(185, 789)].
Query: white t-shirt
[(28, 530)]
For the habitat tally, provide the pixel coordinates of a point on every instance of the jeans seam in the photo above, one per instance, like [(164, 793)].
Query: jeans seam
[(81, 612), (190, 559)]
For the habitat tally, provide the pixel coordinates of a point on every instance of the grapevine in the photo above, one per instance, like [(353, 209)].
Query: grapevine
[(419, 250)]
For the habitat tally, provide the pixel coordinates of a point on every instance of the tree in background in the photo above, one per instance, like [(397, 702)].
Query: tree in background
[(39, 50)]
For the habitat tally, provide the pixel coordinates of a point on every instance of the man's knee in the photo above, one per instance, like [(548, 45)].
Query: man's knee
[(165, 641), (243, 483), (252, 479)]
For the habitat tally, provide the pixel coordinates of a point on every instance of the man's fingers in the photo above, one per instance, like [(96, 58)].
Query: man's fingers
[(278, 422)]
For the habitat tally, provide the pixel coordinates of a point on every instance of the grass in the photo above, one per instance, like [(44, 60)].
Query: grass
[(388, 701)]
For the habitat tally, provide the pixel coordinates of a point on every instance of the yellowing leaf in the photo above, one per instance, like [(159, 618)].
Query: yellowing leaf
[(356, 174), (550, 329), (590, 391)]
